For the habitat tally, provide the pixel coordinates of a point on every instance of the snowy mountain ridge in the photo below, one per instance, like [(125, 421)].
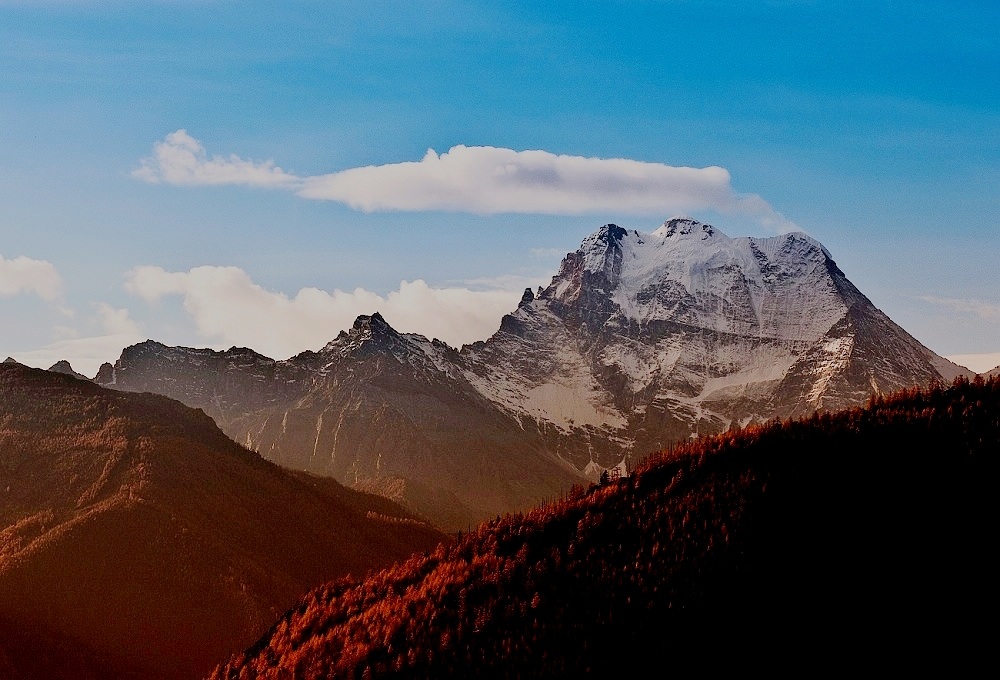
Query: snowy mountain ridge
[(687, 329), (639, 340), (739, 281)]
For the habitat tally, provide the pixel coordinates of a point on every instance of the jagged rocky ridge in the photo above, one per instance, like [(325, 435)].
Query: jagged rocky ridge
[(64, 366), (640, 340), (376, 409)]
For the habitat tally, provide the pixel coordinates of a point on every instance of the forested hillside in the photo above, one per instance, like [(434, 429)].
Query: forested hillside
[(888, 507)]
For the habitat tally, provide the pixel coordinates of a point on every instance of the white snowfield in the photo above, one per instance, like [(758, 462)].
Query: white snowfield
[(776, 287)]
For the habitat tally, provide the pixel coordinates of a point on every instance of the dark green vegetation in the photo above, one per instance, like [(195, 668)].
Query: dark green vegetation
[(890, 507), (137, 540)]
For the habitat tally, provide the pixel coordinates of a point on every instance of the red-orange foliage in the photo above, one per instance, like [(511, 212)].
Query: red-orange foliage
[(888, 505)]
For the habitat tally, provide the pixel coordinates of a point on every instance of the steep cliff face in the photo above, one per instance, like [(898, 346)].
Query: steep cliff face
[(640, 340)]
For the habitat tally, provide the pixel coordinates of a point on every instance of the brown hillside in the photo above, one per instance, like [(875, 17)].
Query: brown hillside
[(136, 540), (887, 508)]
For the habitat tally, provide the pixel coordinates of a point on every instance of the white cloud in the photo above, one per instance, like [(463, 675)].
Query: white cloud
[(116, 321), (548, 253), (490, 180), (24, 275), (181, 159), (480, 179), (228, 308), (85, 355), (509, 282)]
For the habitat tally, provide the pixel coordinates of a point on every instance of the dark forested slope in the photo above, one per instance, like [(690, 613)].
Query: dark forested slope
[(885, 508)]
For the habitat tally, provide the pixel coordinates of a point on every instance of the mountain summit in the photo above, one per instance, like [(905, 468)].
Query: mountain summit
[(646, 338), (639, 340)]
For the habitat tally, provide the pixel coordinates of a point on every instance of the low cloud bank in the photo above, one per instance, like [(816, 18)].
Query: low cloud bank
[(229, 309), (86, 354)]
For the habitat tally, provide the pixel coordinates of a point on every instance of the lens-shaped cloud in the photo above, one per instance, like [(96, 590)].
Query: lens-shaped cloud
[(479, 179), (988, 311)]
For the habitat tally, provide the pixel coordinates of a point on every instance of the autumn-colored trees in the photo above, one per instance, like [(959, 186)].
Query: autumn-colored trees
[(884, 505)]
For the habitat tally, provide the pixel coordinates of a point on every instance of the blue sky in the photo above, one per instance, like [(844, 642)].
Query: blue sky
[(212, 174)]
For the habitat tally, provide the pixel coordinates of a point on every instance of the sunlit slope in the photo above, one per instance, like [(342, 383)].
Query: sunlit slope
[(136, 540)]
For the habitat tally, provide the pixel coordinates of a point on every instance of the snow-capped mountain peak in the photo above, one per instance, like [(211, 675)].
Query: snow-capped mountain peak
[(692, 273), (685, 328), (640, 339), (367, 330)]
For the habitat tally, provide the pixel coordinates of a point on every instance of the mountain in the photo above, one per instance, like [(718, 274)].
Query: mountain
[(380, 410), (138, 541), (64, 366), (643, 339), (640, 340), (887, 508)]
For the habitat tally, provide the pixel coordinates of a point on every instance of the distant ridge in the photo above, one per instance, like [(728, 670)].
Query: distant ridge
[(63, 366)]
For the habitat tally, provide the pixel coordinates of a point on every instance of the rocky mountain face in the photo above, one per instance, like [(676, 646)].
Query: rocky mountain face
[(640, 340), (138, 541), (379, 410), (643, 339)]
